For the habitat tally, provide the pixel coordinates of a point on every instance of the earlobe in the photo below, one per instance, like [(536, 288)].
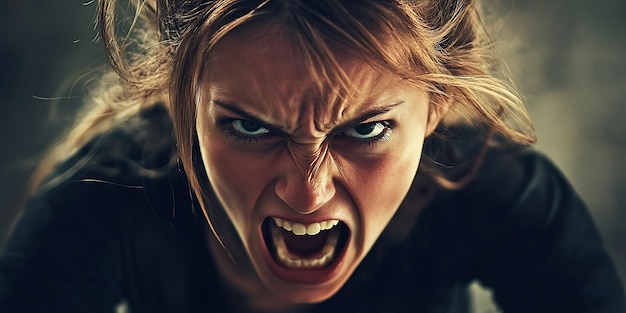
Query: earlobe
[(437, 110)]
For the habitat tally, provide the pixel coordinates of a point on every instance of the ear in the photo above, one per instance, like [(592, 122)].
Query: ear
[(437, 110)]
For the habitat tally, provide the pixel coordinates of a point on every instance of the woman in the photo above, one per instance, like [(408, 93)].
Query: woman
[(263, 156)]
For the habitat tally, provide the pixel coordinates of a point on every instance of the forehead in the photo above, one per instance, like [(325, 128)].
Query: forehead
[(271, 76), (252, 59)]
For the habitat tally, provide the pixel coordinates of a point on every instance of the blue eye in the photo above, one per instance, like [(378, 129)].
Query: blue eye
[(367, 130), (248, 128)]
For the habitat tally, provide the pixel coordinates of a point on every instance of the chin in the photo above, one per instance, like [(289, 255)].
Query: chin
[(304, 266), (303, 294)]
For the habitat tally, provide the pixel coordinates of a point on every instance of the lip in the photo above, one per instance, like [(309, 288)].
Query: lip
[(304, 276)]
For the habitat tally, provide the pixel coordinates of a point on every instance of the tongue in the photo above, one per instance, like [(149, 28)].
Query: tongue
[(305, 245)]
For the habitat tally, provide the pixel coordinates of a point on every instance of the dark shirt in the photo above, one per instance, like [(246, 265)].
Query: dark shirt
[(115, 223)]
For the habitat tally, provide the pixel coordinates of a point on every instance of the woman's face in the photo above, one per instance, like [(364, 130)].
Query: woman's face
[(309, 184)]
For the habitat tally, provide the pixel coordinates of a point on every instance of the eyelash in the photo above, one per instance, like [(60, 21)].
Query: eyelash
[(226, 125), (384, 135)]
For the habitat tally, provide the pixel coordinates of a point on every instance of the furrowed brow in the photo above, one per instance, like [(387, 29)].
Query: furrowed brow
[(369, 113), (241, 112)]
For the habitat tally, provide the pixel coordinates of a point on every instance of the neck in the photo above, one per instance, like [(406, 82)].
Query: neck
[(246, 292)]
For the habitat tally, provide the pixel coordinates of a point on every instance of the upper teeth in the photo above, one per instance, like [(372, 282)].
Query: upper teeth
[(301, 229)]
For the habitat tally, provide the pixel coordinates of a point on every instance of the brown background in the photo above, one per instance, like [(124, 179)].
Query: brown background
[(567, 58)]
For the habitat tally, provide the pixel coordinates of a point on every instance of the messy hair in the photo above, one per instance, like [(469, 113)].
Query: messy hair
[(160, 49)]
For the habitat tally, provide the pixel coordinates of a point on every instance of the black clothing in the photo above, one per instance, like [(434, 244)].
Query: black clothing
[(114, 223)]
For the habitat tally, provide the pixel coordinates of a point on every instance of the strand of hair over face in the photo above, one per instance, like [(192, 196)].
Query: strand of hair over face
[(449, 57), (159, 49)]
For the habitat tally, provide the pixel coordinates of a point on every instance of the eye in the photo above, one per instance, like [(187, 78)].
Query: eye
[(248, 128), (367, 130)]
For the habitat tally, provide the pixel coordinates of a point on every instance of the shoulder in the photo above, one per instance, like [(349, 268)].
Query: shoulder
[(516, 197), (522, 229), (143, 140), (527, 183), (114, 172), (519, 188), (109, 204), (126, 172)]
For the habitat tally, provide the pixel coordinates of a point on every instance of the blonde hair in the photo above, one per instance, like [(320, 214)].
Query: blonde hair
[(438, 45)]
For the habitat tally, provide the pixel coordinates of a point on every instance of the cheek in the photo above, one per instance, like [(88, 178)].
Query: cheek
[(387, 182), (237, 178), (379, 185)]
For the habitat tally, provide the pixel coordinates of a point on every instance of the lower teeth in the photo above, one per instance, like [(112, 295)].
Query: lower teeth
[(322, 258)]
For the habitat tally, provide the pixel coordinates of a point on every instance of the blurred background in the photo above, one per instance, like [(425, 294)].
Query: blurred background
[(566, 56)]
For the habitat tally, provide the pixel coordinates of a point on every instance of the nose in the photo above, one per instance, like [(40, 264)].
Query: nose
[(306, 193)]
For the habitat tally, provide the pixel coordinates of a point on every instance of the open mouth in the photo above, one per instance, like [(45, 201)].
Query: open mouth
[(298, 246)]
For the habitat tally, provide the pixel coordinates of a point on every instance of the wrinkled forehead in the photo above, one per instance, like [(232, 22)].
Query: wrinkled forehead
[(256, 59), (266, 68)]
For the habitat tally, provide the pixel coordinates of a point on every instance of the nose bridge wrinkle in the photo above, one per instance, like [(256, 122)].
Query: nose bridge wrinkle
[(307, 185), (309, 159)]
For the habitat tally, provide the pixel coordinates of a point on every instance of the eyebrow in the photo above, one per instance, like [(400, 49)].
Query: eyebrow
[(239, 111), (367, 114)]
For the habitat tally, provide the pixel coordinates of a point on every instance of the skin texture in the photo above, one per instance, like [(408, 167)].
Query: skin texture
[(360, 183)]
